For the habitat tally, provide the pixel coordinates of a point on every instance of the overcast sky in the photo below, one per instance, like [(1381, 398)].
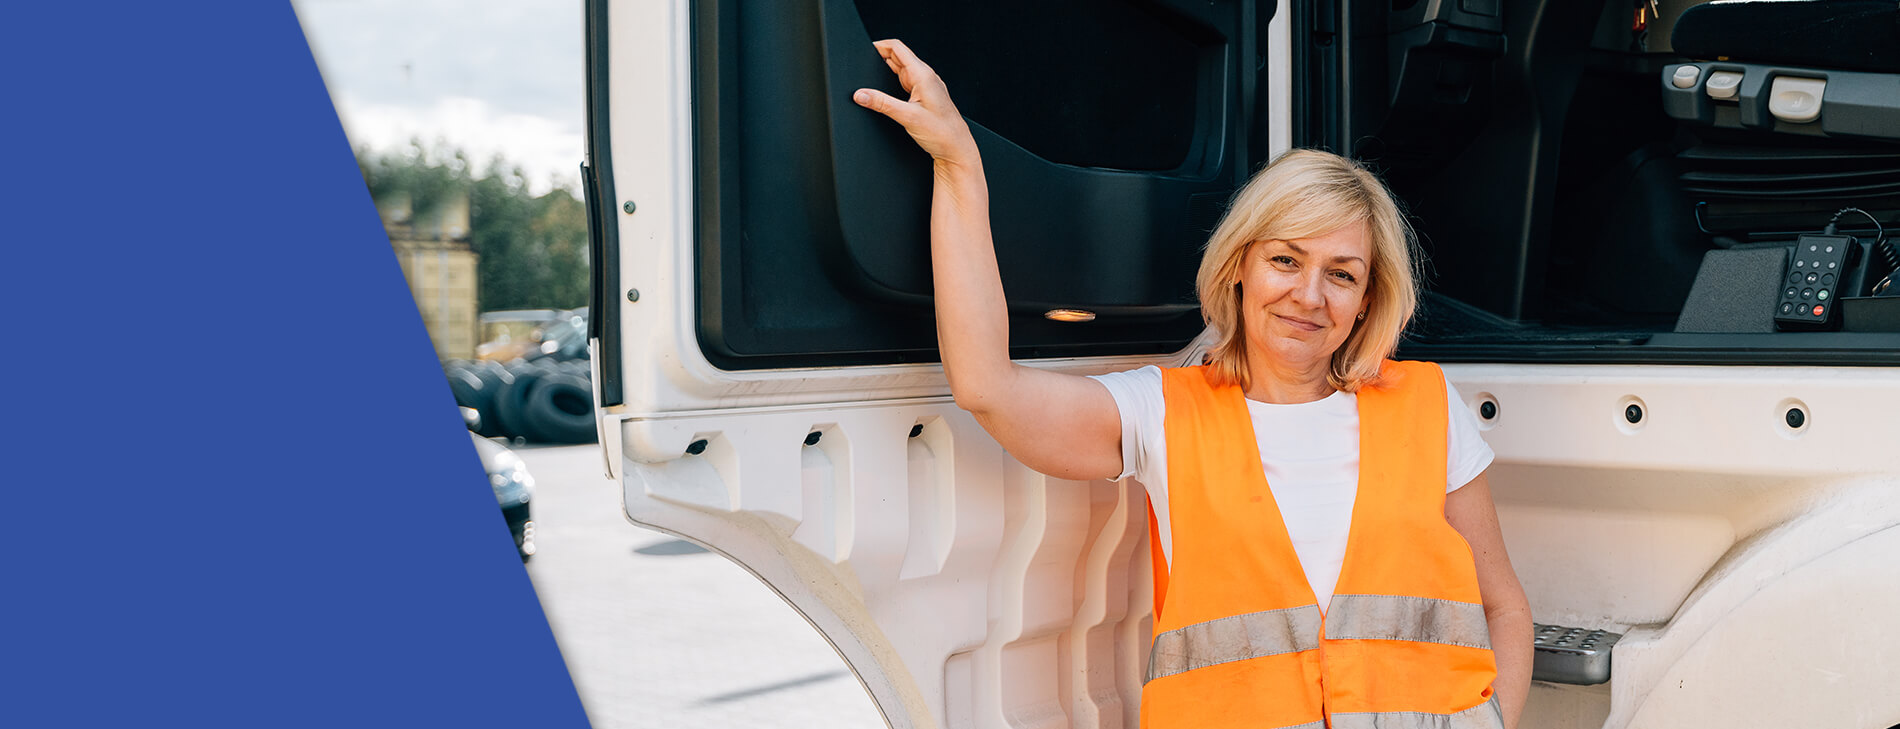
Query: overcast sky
[(488, 76)]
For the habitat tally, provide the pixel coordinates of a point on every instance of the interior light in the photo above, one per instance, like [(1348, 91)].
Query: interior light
[(1069, 315)]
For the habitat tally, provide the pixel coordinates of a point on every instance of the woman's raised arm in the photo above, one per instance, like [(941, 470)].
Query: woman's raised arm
[(1061, 425)]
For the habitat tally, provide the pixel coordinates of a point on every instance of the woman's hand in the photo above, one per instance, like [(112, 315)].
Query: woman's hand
[(929, 117)]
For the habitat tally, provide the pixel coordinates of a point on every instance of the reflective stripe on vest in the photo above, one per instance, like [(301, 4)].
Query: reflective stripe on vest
[(1353, 617), (1237, 638), (1483, 716), (1398, 617)]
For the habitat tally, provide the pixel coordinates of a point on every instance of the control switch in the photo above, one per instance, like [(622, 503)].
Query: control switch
[(1685, 77), (1796, 100), (1722, 85)]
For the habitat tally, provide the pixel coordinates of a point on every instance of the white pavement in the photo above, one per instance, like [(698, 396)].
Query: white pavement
[(657, 633)]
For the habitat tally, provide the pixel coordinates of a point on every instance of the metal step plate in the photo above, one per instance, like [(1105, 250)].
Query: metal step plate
[(1572, 655)]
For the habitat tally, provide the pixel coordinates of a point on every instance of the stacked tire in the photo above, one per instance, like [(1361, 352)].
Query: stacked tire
[(542, 401)]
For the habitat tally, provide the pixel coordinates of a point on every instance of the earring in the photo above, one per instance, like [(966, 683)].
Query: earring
[(1361, 317)]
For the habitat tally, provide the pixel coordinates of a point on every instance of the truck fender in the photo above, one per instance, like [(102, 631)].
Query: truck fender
[(1796, 642)]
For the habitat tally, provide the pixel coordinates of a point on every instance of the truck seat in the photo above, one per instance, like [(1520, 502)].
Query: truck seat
[(1852, 35)]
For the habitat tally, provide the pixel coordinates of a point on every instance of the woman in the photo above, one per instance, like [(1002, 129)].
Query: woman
[(1409, 613)]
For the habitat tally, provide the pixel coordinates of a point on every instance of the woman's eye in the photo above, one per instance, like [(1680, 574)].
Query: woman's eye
[(1344, 276), (1282, 260)]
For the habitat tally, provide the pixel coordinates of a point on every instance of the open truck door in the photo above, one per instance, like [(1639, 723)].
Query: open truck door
[(1685, 486)]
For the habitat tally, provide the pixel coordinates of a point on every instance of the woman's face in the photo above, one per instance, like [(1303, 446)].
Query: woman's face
[(1300, 298)]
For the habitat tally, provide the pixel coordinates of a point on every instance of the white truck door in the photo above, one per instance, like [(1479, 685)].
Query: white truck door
[(764, 344)]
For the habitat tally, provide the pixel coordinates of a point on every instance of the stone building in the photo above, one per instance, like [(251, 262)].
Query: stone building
[(432, 246)]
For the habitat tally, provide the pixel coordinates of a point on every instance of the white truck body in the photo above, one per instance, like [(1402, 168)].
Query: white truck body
[(1752, 567)]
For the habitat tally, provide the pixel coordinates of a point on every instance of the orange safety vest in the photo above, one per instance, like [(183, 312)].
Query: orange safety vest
[(1239, 639)]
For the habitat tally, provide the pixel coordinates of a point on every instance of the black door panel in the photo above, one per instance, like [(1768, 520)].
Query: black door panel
[(1110, 148)]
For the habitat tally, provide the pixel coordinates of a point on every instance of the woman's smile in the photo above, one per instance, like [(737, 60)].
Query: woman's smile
[(1300, 324)]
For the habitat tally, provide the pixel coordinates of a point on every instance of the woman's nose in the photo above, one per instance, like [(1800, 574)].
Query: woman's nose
[(1307, 292)]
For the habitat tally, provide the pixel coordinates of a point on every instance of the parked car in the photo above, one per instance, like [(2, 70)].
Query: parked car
[(563, 338), (514, 490), (512, 334)]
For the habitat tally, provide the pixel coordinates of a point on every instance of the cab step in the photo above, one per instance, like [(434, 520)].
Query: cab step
[(1572, 655)]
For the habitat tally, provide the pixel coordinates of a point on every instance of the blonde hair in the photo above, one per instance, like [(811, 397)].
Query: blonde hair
[(1303, 194)]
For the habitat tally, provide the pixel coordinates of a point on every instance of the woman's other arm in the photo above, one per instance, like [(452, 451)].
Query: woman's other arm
[(1062, 425), (1506, 610)]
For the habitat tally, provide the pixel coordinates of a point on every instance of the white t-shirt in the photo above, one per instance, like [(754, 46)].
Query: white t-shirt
[(1310, 452)]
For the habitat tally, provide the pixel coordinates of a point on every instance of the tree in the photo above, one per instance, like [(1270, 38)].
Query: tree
[(426, 176), (533, 249)]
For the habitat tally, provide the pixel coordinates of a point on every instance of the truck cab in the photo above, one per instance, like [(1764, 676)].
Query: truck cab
[(1698, 458)]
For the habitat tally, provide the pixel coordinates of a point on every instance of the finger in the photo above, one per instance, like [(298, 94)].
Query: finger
[(884, 51), (903, 79), (912, 72), (884, 46), (890, 59), (906, 58), (883, 103)]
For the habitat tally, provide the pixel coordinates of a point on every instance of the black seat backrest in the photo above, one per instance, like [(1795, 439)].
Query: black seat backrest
[(1855, 35)]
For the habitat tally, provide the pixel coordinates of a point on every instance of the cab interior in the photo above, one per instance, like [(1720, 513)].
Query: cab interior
[(1575, 201)]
